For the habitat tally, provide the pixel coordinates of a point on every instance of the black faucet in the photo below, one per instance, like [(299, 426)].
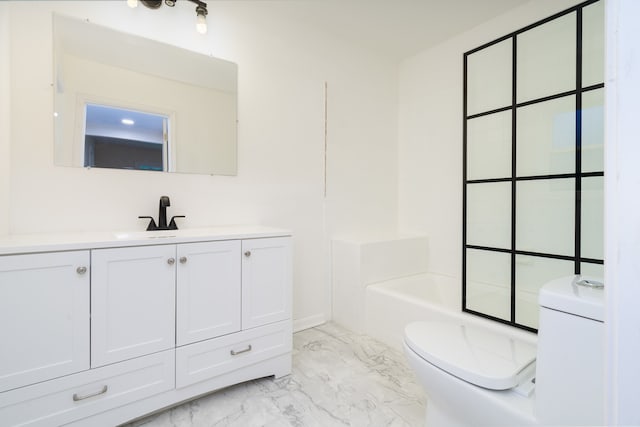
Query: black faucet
[(162, 217), (162, 212)]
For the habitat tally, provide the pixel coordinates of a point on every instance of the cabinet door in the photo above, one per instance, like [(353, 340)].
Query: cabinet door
[(44, 317), (208, 290), (266, 281), (132, 302)]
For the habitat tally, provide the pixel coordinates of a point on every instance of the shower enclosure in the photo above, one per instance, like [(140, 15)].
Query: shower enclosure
[(533, 171)]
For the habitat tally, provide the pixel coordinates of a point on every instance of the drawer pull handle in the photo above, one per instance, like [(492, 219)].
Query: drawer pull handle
[(77, 398), (81, 270), (235, 353), (247, 254), (171, 261)]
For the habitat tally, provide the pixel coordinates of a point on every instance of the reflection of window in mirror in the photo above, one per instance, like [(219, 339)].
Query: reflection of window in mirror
[(125, 139)]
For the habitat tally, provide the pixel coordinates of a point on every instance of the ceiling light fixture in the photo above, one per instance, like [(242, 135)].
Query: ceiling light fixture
[(201, 10), (201, 18)]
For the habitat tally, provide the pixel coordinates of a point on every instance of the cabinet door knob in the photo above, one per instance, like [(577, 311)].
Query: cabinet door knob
[(183, 259), (81, 270), (171, 261), (247, 254)]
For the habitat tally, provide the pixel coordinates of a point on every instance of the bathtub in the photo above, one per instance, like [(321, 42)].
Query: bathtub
[(391, 304)]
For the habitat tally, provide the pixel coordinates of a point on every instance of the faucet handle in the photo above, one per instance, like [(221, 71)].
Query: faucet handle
[(172, 223), (152, 224)]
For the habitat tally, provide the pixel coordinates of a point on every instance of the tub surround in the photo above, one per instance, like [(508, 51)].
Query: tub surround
[(106, 327), (360, 261), (391, 304), (381, 283)]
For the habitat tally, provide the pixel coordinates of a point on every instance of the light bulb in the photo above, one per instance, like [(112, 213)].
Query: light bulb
[(132, 3), (201, 24)]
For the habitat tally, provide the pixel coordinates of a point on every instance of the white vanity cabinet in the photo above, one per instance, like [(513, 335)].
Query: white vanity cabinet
[(132, 302), (208, 290), (263, 296), (44, 317), (98, 332), (266, 276)]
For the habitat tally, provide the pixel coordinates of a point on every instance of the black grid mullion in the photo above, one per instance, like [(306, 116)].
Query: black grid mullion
[(514, 115), (578, 187), (464, 182)]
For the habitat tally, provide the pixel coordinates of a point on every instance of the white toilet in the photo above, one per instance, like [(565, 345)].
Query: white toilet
[(474, 376)]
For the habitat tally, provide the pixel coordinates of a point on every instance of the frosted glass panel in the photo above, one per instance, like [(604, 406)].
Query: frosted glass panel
[(546, 137), (546, 62), (489, 283), (545, 216), (489, 77), (592, 270), (531, 274), (489, 214), (593, 131), (592, 223), (489, 146), (593, 44)]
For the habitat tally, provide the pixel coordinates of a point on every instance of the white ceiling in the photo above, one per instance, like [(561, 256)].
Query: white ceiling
[(398, 28)]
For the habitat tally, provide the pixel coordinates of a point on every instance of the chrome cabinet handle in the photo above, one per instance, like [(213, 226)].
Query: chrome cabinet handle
[(171, 261), (244, 350), (81, 270), (183, 259), (77, 398), (247, 254)]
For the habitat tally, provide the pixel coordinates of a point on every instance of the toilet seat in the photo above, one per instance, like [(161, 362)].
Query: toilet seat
[(476, 355)]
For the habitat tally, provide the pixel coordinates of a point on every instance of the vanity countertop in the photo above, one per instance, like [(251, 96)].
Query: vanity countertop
[(68, 241)]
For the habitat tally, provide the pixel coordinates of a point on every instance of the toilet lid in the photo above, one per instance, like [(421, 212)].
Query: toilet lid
[(476, 355)]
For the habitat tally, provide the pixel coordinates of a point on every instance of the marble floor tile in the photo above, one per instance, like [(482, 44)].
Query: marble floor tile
[(339, 378)]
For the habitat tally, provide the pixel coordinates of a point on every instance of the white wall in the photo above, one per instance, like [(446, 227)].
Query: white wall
[(430, 134), (622, 222), (282, 70), (5, 119)]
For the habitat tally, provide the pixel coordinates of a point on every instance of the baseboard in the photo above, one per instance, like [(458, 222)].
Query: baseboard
[(308, 322)]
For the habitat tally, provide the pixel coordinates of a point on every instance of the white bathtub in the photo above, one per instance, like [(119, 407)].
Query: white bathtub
[(391, 304)]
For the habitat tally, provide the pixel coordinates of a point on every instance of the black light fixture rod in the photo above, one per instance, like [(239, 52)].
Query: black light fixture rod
[(201, 10), (199, 3)]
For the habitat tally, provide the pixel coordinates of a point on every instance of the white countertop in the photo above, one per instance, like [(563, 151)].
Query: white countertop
[(68, 241)]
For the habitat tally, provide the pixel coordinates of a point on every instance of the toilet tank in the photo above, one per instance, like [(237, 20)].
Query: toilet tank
[(570, 360)]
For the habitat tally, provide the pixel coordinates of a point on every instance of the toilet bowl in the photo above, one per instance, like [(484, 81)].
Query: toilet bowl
[(480, 377)]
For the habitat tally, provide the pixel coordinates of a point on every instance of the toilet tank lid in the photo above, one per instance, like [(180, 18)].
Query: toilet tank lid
[(566, 295), (474, 354)]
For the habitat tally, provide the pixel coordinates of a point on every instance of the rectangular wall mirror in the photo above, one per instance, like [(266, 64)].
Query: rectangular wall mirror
[(126, 102)]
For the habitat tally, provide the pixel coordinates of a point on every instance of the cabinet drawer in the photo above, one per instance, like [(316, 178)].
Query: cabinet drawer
[(207, 359), (80, 395)]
